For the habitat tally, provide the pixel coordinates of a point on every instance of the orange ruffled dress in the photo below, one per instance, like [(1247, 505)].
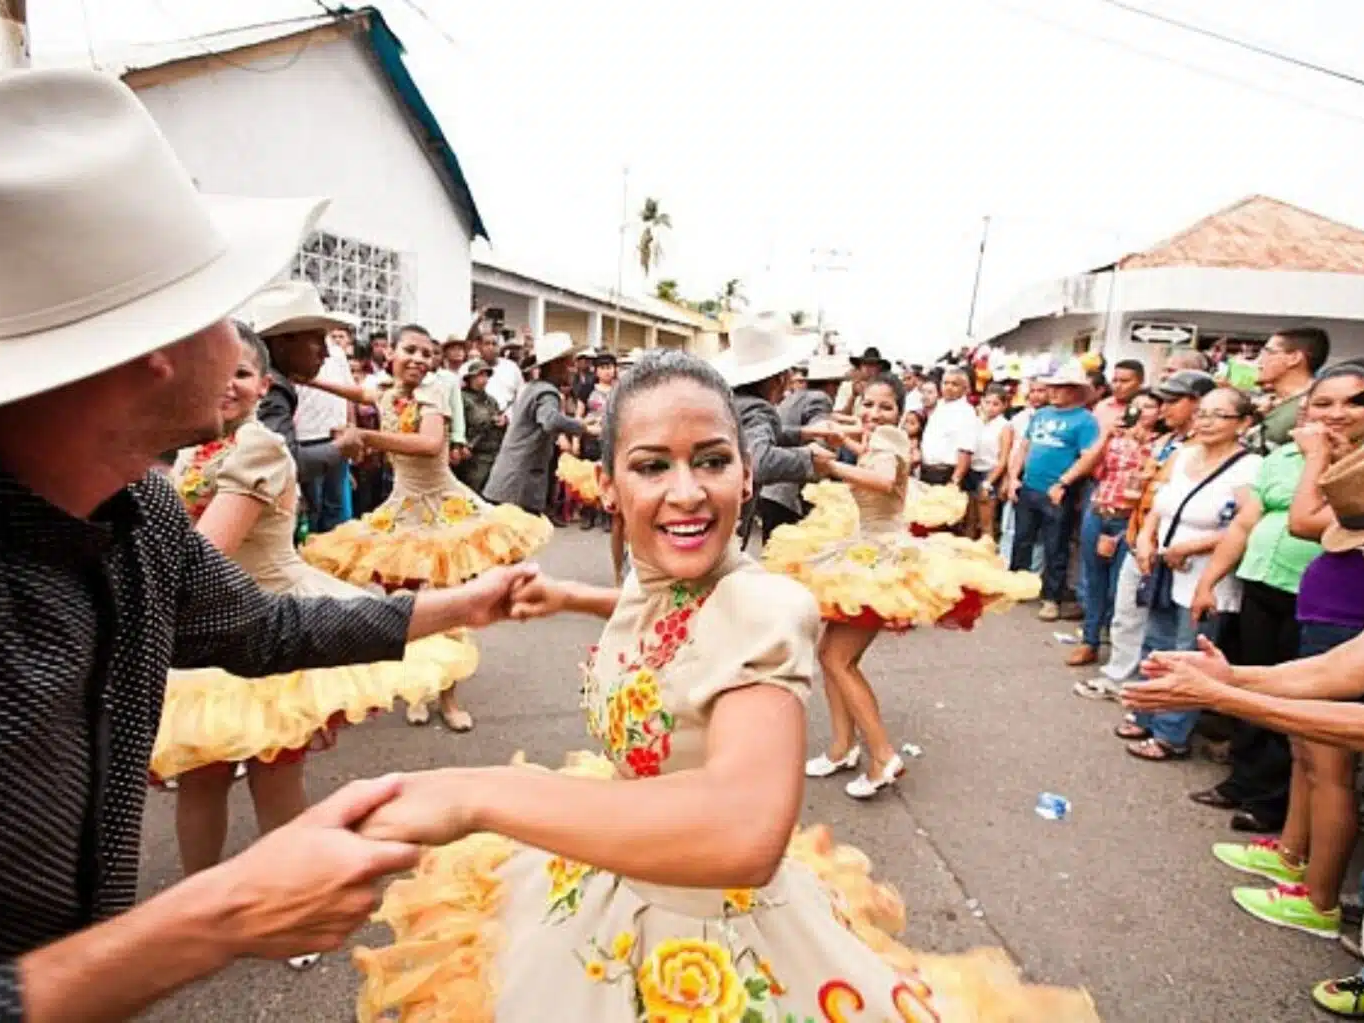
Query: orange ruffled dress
[(432, 529), (213, 717), (580, 477), (490, 931), (860, 558)]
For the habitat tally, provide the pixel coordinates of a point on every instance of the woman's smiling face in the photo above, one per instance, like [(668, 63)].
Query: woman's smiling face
[(413, 357), (677, 477), (879, 407), (245, 389), (1332, 406)]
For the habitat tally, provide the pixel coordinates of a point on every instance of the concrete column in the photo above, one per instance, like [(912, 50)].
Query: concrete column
[(536, 316), (594, 329), (651, 336)]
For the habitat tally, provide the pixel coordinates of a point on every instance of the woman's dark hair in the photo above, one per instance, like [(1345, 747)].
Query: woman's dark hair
[(999, 391), (253, 344), (658, 368), (896, 385), (1348, 368)]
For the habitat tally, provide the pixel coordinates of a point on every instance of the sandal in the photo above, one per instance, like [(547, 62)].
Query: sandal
[(1213, 798), (457, 720), (1157, 750), (1130, 731)]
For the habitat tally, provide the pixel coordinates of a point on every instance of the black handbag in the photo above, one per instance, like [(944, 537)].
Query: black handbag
[(1155, 589)]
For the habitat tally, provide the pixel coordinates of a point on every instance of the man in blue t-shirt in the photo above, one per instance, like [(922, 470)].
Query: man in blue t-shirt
[(1046, 496)]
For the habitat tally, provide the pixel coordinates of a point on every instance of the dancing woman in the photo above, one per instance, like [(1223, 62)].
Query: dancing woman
[(242, 491), (432, 530), (655, 885), (870, 574)]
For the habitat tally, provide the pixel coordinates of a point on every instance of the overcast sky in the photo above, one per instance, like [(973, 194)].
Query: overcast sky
[(769, 130)]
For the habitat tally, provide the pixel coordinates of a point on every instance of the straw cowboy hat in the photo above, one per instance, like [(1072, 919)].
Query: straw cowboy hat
[(761, 347), (550, 347), (1343, 486), (108, 251), (828, 367), (290, 307), (1072, 374)]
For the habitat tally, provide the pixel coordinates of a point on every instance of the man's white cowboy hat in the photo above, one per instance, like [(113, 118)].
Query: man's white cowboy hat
[(108, 251), (549, 347), (760, 347), (290, 307), (1072, 374), (828, 367)]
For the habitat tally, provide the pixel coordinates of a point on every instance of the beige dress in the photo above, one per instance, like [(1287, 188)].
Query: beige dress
[(861, 558), (211, 716), (489, 930)]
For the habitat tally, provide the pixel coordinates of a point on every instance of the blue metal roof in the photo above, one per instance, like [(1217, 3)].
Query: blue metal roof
[(388, 50)]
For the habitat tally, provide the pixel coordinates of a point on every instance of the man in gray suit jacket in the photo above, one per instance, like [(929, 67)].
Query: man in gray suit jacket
[(779, 503), (520, 474)]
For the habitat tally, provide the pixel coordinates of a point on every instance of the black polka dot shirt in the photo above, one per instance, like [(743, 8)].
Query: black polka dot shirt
[(92, 614)]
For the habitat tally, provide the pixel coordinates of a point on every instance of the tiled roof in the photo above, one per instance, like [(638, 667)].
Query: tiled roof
[(1259, 233)]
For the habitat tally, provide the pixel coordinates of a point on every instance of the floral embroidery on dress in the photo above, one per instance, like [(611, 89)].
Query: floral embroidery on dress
[(453, 509), (635, 728), (405, 415), (566, 881), (198, 482)]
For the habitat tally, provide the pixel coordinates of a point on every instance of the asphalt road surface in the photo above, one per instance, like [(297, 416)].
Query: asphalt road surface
[(1123, 897)]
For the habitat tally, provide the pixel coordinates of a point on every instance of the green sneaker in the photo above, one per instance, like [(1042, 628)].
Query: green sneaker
[(1261, 858), (1344, 997), (1287, 905)]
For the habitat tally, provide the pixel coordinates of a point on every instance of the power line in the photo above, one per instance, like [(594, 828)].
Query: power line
[(421, 13), (89, 36), (1165, 58), (212, 54), (1243, 44)]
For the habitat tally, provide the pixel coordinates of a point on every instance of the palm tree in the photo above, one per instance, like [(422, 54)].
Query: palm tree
[(666, 289), (732, 295), (797, 317), (708, 307), (653, 222)]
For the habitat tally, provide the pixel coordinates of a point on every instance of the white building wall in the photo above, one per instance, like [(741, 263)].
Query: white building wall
[(326, 125)]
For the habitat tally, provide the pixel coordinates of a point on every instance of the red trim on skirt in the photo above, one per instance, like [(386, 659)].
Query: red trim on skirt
[(962, 615)]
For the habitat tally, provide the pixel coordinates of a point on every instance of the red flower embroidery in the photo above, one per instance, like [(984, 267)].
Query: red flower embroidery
[(644, 761)]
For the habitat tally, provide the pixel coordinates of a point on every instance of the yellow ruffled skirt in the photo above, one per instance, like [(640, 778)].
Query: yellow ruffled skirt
[(212, 717), (488, 931), (889, 577), (580, 477), (410, 542)]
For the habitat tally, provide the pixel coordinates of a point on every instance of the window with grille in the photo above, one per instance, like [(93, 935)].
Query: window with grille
[(375, 283)]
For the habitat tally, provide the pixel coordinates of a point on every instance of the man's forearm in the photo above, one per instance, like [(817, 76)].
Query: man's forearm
[(963, 466), (1337, 723), (1327, 676), (116, 969)]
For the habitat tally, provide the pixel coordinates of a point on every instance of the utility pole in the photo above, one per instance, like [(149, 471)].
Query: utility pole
[(826, 261), (975, 288), (620, 253), (14, 52)]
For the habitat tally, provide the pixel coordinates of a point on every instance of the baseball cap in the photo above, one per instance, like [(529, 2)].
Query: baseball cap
[(1187, 383)]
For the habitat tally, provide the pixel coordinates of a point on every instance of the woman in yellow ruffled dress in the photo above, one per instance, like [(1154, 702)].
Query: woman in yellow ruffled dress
[(242, 491), (432, 530), (661, 883), (869, 573)]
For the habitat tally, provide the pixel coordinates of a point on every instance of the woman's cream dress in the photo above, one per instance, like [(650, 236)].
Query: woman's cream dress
[(213, 717), (489, 930)]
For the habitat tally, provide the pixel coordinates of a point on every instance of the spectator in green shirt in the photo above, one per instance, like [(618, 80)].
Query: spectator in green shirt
[(1288, 362)]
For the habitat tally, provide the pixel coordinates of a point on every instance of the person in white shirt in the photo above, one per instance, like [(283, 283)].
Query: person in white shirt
[(506, 380), (951, 433), (318, 417)]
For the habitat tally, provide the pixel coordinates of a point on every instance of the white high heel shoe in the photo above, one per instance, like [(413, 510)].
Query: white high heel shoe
[(304, 962), (864, 787), (821, 766)]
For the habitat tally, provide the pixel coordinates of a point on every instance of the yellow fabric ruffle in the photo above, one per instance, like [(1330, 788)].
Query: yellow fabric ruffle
[(901, 578), (371, 549), (926, 505), (448, 936), (211, 716), (580, 477)]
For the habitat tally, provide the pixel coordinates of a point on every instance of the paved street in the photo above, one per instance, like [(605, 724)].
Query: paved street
[(1122, 898)]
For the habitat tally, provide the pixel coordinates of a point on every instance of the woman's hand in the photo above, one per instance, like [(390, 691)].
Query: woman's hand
[(1204, 602), (1146, 554), (538, 597), (1056, 493), (1184, 687), (1313, 440), (491, 597), (431, 808), (1106, 546), (1177, 557), (1206, 660)]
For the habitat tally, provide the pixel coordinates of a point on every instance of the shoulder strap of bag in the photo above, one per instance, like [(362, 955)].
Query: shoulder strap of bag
[(1174, 520)]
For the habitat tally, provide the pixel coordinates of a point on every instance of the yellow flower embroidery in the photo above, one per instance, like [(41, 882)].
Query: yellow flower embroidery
[(616, 734), (641, 696), (774, 985), (564, 877), (739, 900), (863, 554), (595, 970), (686, 980), (382, 520), (452, 509), (622, 946)]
